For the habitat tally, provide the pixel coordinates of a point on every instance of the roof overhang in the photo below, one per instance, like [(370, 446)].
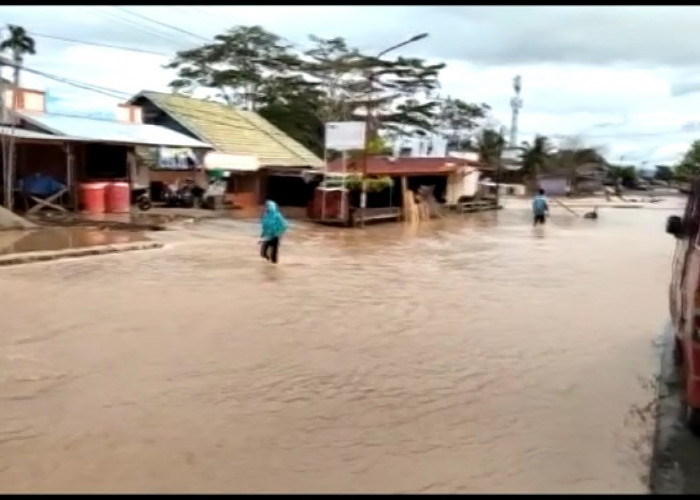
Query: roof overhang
[(115, 139), (22, 135)]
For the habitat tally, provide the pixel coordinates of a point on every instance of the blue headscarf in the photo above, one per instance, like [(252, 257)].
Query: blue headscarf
[(273, 223)]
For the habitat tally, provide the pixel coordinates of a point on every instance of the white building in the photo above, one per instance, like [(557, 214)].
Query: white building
[(427, 147)]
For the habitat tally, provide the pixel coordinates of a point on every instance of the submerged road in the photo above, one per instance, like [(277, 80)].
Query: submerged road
[(675, 467), (465, 355)]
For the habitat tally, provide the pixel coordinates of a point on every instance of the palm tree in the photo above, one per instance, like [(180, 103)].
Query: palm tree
[(19, 43), (490, 145), (534, 158)]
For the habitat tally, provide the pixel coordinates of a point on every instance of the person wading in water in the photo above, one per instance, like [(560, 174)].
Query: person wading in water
[(540, 208), (273, 227)]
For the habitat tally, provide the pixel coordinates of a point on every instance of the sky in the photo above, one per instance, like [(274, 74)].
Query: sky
[(622, 79)]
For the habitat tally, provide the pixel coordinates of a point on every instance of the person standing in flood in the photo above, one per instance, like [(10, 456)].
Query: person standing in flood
[(273, 227), (540, 208)]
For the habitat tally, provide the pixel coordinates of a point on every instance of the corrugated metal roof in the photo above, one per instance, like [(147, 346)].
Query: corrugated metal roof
[(233, 131), (95, 130), (21, 133)]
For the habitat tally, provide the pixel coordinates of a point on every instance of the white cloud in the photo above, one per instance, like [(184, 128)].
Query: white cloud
[(603, 73)]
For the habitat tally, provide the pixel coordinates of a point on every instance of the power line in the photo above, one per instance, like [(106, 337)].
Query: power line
[(166, 25), (199, 10), (225, 26), (116, 94), (98, 44), (116, 17), (616, 135)]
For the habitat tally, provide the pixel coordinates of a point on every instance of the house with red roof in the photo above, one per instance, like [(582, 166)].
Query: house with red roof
[(450, 180)]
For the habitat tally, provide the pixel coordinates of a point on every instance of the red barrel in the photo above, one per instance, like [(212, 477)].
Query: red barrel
[(92, 197), (118, 197)]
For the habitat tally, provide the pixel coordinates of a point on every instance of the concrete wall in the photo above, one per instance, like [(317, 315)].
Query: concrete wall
[(129, 114), (244, 189), (27, 99), (462, 184)]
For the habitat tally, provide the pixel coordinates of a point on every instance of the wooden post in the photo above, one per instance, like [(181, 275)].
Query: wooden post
[(70, 174), (344, 192), (12, 157), (404, 200)]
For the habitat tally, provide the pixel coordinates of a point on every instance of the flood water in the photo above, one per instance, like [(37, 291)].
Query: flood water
[(61, 239), (464, 355)]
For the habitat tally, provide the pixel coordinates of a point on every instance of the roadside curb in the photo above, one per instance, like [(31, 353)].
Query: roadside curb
[(675, 464), (666, 476), (30, 257)]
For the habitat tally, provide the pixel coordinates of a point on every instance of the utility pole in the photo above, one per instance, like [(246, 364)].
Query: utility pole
[(10, 180), (515, 104), (368, 122), (3, 116)]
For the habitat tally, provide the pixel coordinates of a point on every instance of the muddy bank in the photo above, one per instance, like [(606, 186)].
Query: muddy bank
[(59, 239), (21, 247), (137, 221), (70, 253)]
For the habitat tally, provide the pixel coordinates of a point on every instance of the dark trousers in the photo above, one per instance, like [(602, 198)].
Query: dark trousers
[(269, 249), (540, 219)]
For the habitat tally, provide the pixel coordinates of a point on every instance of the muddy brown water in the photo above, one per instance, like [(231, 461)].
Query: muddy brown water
[(465, 355), (46, 239)]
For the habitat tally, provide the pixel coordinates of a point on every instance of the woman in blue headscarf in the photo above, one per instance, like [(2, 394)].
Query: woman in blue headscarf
[(273, 227)]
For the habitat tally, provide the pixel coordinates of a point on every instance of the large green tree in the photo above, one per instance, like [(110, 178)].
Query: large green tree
[(490, 145), (19, 44), (298, 92), (397, 94), (294, 107), (335, 68), (689, 167), (664, 173), (238, 64), (457, 119)]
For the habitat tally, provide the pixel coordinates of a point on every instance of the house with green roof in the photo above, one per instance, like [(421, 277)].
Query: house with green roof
[(260, 160)]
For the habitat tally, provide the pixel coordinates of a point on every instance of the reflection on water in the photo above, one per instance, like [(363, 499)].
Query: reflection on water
[(465, 355), (61, 239)]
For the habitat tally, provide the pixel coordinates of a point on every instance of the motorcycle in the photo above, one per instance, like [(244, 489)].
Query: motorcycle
[(142, 199), (144, 202), (188, 196)]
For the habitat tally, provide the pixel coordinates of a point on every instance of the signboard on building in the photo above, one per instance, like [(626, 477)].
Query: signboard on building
[(176, 158), (345, 136), (229, 162), (421, 147)]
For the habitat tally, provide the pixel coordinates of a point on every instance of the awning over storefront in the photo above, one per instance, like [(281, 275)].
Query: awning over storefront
[(232, 163)]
